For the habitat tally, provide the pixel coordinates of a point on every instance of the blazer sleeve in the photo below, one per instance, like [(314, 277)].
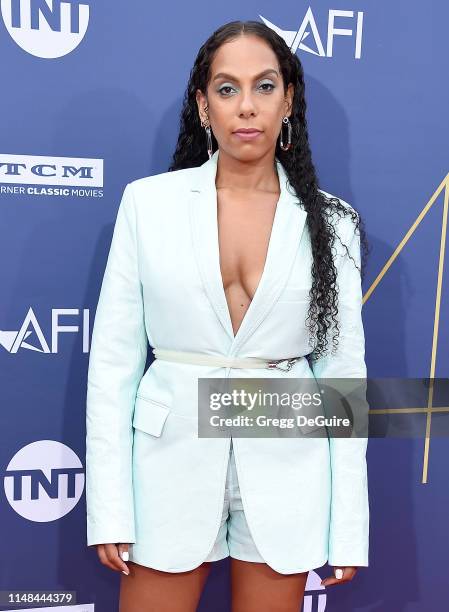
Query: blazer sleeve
[(116, 363), (349, 522)]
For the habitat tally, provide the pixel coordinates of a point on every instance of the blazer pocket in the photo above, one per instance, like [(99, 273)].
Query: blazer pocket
[(150, 415)]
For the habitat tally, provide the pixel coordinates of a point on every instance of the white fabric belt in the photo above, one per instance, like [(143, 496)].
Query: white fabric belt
[(224, 360)]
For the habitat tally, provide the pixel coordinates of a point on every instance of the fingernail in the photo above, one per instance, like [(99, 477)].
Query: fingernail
[(126, 573), (125, 555), (339, 574)]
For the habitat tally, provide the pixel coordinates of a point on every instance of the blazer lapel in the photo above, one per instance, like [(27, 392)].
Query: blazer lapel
[(287, 230)]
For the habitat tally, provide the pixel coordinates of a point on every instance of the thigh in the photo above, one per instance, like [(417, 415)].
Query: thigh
[(256, 587), (150, 590)]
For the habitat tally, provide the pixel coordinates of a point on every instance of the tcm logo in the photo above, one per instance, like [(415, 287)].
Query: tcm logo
[(31, 337), (42, 170), (46, 28), (308, 31), (44, 481)]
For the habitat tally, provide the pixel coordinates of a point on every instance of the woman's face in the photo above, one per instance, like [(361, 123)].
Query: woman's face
[(246, 91)]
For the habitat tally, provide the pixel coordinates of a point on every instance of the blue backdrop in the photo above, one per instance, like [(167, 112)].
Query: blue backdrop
[(91, 94)]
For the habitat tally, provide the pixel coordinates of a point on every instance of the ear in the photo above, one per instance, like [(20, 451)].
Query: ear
[(289, 99), (201, 101)]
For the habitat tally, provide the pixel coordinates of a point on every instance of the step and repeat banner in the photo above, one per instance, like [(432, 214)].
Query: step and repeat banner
[(90, 98)]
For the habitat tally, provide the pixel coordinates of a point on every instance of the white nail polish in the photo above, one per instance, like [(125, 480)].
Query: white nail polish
[(339, 574), (126, 573), (125, 555)]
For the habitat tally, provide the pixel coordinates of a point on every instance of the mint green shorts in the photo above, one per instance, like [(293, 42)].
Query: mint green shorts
[(234, 538)]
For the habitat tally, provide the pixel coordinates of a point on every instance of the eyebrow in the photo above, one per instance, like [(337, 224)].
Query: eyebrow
[(224, 75)]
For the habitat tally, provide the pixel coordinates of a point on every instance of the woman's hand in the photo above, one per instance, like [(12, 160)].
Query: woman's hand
[(346, 573), (114, 555)]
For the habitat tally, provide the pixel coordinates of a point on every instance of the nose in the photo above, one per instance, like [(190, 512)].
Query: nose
[(247, 104)]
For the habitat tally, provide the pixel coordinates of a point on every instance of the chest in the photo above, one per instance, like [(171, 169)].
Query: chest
[(211, 266), (244, 231)]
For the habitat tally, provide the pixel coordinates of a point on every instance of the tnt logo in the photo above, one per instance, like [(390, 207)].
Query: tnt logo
[(315, 594), (46, 28), (44, 481)]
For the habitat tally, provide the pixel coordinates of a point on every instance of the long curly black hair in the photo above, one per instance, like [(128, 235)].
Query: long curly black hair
[(191, 151)]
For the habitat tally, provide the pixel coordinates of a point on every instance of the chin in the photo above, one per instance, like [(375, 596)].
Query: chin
[(247, 151)]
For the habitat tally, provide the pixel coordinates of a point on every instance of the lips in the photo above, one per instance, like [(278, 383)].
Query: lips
[(246, 131)]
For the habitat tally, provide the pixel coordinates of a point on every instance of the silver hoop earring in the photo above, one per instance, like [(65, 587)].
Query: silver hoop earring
[(208, 136), (209, 140), (289, 135)]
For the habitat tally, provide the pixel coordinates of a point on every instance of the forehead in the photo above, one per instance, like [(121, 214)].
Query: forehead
[(243, 57)]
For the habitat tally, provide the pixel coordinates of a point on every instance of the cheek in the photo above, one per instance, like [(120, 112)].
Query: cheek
[(221, 116), (273, 122)]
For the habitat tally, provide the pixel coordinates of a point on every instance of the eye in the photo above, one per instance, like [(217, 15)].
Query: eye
[(221, 90), (262, 86), (269, 85)]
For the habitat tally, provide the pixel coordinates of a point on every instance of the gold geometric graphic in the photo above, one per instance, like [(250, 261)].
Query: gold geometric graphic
[(429, 410)]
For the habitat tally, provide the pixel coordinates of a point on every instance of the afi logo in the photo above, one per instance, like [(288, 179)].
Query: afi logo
[(30, 331), (44, 481), (46, 28), (308, 30)]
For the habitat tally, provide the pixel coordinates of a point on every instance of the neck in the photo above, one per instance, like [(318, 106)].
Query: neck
[(247, 175)]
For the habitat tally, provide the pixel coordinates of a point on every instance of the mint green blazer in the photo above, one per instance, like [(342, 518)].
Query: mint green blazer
[(150, 480)]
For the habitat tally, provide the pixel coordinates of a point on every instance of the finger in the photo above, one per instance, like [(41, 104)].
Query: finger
[(330, 581), (103, 557), (346, 573), (112, 554), (123, 551)]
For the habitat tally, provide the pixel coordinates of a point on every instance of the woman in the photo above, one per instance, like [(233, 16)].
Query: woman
[(219, 263)]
